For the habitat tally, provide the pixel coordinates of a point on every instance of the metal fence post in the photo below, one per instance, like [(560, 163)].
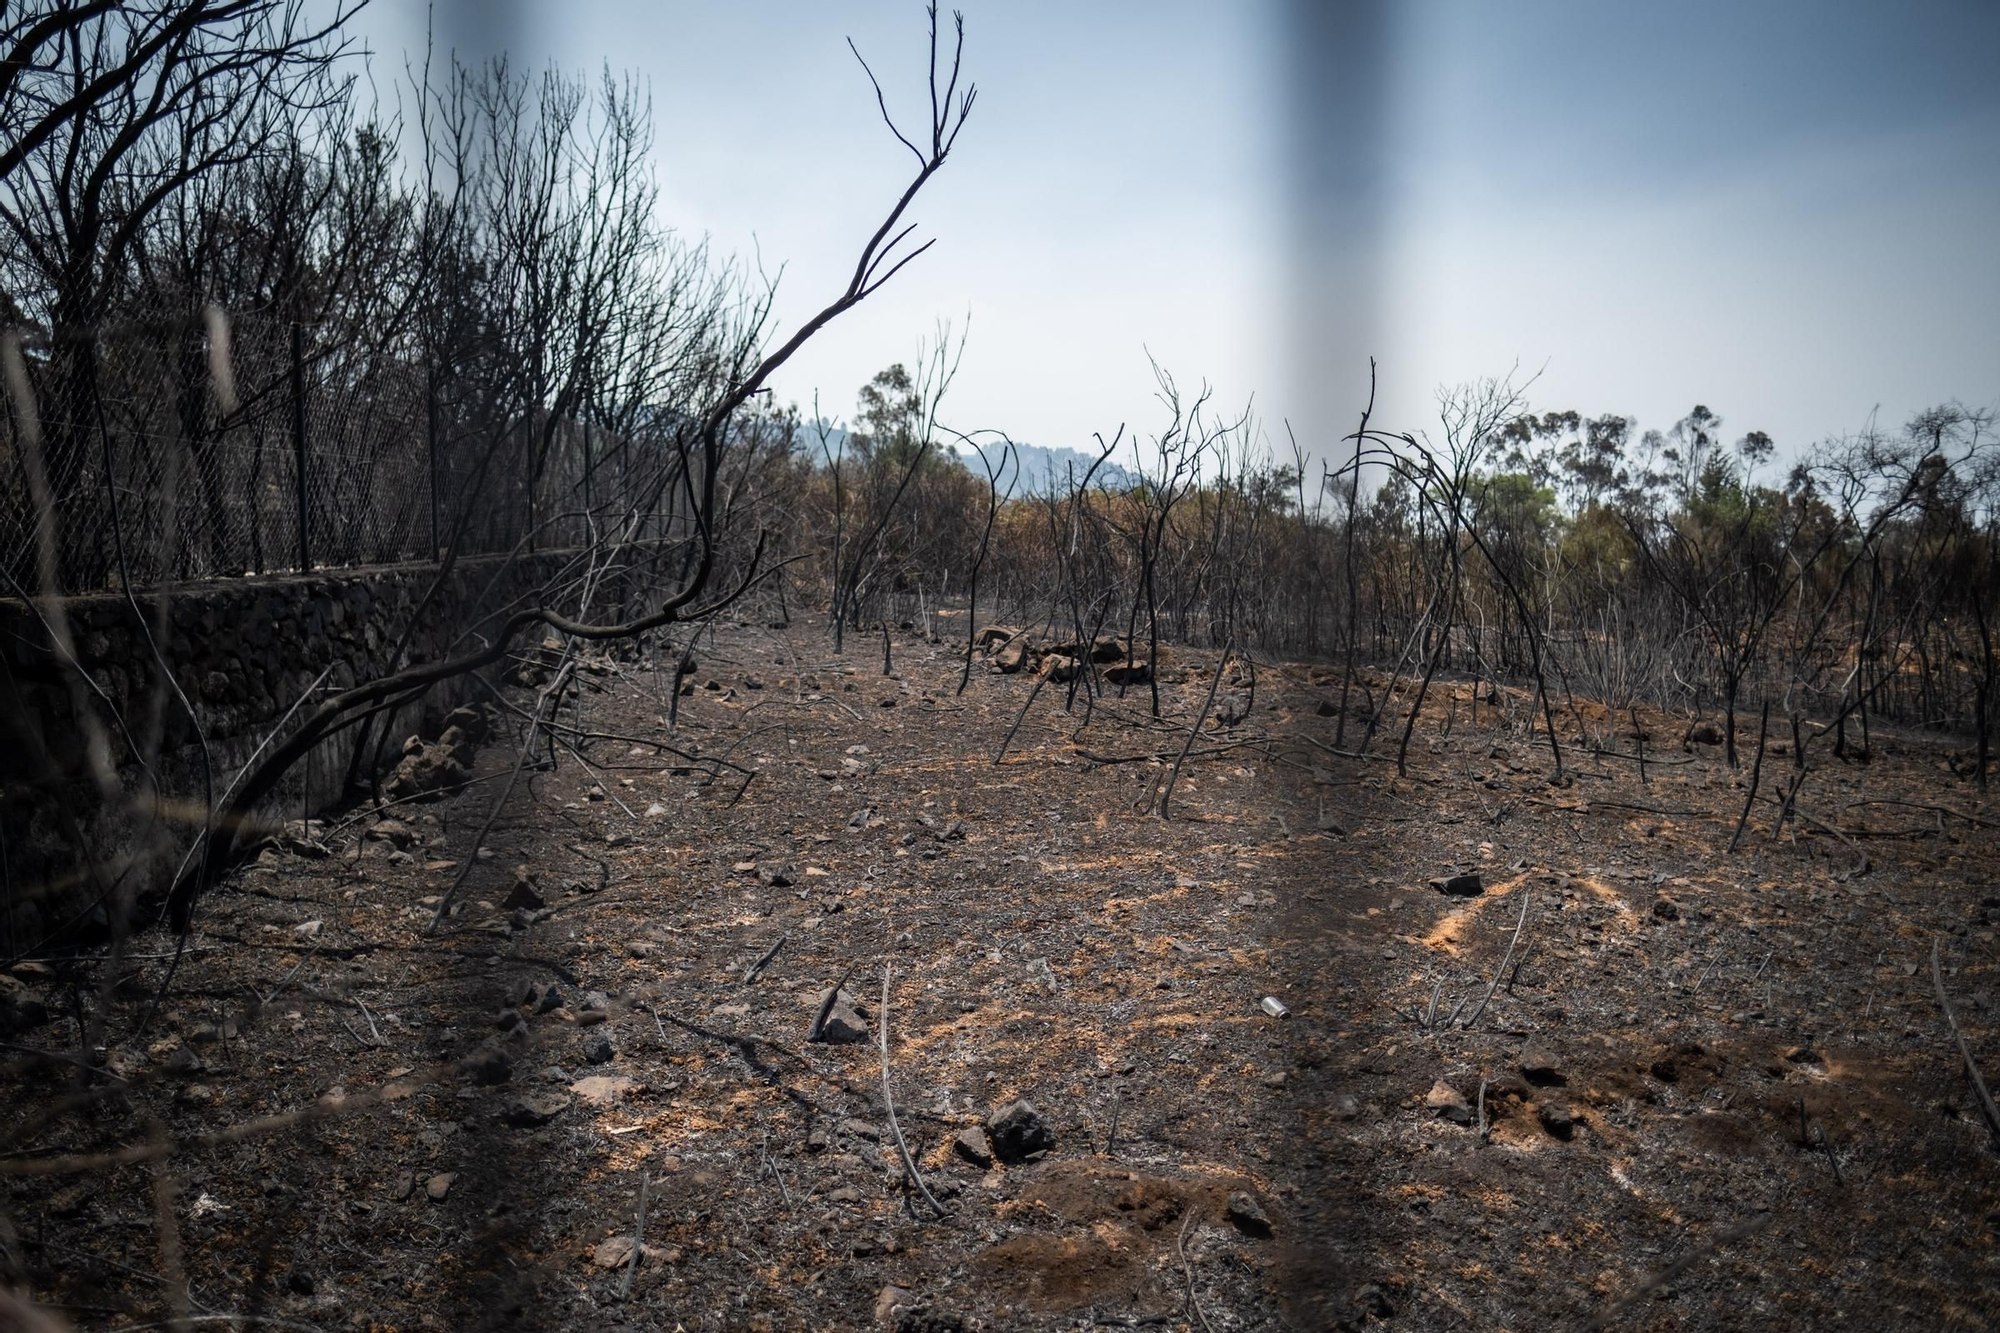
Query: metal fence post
[(431, 438), (528, 475), (299, 441)]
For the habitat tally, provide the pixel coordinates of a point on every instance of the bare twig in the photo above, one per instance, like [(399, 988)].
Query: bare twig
[(889, 1104), (1814, 1136), (1501, 971), (772, 1167), (172, 1269), (1020, 718), (1756, 776), (638, 1238), (826, 1005), (750, 974), (265, 1000), (1201, 715)]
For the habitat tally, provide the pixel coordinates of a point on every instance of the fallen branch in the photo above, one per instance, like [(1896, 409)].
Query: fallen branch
[(1674, 1270), (1203, 753), (153, 1149), (1187, 1270), (1986, 1105), (1589, 806), (1919, 805), (1862, 865)]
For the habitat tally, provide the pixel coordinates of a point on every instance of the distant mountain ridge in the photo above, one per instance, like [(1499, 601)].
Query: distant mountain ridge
[(1032, 470), (1034, 467)]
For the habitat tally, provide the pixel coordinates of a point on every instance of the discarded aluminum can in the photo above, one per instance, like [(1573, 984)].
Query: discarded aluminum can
[(1276, 1007)]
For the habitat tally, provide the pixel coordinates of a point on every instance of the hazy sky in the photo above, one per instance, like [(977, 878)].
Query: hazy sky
[(1781, 210)]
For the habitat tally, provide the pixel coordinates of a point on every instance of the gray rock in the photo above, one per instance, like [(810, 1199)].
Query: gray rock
[(20, 1008), (392, 831), (1558, 1119), (1247, 1214), (1448, 1103), (891, 1303), (440, 1185), (846, 1022), (1017, 1131), (528, 1112), (1539, 1065), (971, 1146), (598, 1049), (1372, 1300), (489, 1066), (1461, 886), (470, 722), (426, 774)]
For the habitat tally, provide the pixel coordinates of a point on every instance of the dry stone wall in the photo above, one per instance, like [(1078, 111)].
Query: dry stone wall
[(241, 653)]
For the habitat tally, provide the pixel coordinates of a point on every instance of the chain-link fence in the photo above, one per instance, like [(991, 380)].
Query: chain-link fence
[(155, 456)]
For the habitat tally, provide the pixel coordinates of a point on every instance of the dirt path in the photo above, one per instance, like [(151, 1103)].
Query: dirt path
[(1045, 941)]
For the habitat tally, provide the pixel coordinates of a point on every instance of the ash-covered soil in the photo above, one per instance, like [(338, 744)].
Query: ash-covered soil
[(1706, 1091)]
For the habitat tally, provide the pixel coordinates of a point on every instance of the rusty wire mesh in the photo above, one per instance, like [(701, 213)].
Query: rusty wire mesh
[(175, 473)]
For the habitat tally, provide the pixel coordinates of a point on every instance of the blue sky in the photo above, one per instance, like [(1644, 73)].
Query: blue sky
[(1777, 209)]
